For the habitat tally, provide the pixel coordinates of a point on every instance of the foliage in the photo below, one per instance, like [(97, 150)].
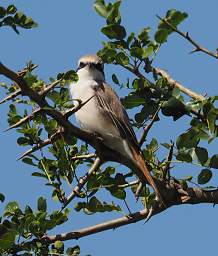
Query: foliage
[(61, 162), (11, 17)]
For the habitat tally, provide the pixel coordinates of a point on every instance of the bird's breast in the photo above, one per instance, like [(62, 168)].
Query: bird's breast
[(91, 116)]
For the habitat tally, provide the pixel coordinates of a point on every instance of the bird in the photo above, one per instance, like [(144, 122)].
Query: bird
[(105, 115)]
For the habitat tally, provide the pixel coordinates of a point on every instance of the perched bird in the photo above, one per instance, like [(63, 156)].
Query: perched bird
[(104, 114)]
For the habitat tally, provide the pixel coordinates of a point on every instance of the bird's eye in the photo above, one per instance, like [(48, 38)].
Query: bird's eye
[(82, 65), (99, 66)]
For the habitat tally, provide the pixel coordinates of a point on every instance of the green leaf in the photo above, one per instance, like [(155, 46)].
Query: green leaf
[(11, 209), (29, 161), (59, 245), (161, 36), (11, 9), (122, 59), (132, 100), (211, 120), (184, 156), (42, 205), (71, 76), (73, 251), (114, 14), (136, 52), (204, 176), (201, 154), (100, 8), (188, 140), (3, 12), (23, 141), (2, 197), (176, 17), (7, 240), (118, 193), (144, 36), (214, 162), (174, 107), (114, 31), (115, 79)]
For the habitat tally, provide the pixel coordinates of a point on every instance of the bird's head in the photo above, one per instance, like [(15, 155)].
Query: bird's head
[(90, 67)]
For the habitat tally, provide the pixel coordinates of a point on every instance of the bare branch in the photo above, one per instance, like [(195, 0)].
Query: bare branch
[(189, 39), (82, 182)]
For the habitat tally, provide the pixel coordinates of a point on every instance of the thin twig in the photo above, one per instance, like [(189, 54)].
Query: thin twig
[(189, 39), (74, 158), (73, 110), (42, 144), (148, 127), (82, 181)]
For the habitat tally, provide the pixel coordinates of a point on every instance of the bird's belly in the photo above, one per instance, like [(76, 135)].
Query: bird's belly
[(92, 118)]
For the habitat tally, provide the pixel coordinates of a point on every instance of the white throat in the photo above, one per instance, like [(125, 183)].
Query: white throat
[(87, 73)]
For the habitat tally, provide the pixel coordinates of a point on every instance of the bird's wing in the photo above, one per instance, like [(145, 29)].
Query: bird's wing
[(110, 103)]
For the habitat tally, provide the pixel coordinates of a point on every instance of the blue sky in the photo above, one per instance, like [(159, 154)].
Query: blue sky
[(69, 29)]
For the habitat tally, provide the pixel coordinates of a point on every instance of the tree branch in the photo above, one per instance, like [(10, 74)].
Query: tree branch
[(189, 39), (82, 181), (189, 196), (182, 88)]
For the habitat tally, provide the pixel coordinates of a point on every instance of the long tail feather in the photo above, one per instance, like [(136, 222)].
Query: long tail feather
[(145, 174)]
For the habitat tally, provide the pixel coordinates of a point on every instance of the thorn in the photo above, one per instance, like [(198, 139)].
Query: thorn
[(25, 70), (25, 119), (11, 96), (71, 111), (138, 191), (50, 87), (194, 50), (150, 212)]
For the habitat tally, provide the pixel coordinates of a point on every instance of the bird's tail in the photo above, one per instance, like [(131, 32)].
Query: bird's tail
[(144, 173)]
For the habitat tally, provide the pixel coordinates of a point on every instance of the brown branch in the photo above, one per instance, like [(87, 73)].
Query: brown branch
[(82, 182), (189, 39), (192, 196)]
